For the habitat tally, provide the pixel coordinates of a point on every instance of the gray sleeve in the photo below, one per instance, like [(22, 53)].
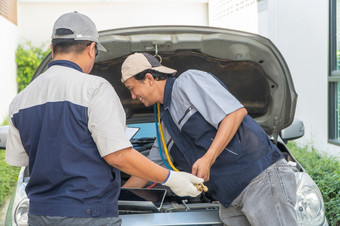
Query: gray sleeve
[(154, 154), (207, 95)]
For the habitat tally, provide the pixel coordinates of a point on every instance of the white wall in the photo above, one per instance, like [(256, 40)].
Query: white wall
[(300, 31), (234, 14), (8, 44), (302, 37), (36, 18)]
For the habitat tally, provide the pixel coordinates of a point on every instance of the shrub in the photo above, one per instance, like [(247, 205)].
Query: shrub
[(325, 171), (5, 122), (28, 58), (8, 175), (8, 178)]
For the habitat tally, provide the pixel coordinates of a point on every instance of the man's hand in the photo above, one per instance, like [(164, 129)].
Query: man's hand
[(182, 183), (201, 168), (225, 132)]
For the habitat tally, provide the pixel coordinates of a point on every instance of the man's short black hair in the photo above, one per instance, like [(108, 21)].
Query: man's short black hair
[(156, 74), (69, 45)]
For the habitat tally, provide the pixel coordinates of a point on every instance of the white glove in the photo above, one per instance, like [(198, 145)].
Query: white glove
[(182, 183)]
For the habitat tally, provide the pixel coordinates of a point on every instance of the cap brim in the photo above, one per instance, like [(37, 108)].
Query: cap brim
[(100, 47), (164, 69)]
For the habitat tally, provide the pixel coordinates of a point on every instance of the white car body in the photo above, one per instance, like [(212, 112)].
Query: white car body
[(253, 70)]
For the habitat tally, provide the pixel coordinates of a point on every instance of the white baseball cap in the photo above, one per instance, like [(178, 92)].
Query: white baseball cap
[(139, 62)]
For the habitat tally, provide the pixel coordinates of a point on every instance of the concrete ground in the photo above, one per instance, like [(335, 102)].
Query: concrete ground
[(3, 211)]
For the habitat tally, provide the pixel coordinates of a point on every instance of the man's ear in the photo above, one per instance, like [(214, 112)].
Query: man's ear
[(149, 78), (92, 50), (51, 47)]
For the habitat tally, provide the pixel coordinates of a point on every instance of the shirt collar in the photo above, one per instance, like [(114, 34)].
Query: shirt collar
[(65, 63), (167, 92)]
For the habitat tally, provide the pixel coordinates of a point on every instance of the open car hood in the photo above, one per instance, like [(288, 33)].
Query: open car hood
[(250, 65)]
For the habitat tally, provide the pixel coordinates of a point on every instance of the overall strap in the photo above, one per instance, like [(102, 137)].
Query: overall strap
[(182, 144)]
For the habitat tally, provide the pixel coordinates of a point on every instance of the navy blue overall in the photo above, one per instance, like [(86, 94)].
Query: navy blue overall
[(68, 175), (231, 172)]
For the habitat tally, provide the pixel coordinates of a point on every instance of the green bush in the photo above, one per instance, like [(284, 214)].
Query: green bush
[(325, 171), (8, 178), (8, 175), (28, 58), (5, 122)]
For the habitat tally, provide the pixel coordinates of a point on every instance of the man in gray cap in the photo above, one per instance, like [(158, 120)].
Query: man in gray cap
[(68, 127)]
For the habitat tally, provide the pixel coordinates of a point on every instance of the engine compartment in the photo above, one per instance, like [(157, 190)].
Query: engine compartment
[(171, 202), (143, 200)]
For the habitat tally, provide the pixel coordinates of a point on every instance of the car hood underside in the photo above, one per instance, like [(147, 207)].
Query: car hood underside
[(250, 65)]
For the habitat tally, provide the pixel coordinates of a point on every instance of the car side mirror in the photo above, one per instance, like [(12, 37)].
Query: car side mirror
[(3, 136), (294, 131)]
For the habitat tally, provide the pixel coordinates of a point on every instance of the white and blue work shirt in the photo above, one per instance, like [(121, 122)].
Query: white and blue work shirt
[(194, 105), (61, 125)]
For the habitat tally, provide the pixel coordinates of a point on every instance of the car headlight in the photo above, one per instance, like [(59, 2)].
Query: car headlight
[(309, 203), (20, 214)]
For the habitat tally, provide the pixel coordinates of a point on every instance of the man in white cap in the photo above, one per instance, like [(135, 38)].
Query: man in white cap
[(68, 127), (211, 136)]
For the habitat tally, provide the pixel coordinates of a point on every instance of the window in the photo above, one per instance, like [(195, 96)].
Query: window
[(8, 10), (334, 72)]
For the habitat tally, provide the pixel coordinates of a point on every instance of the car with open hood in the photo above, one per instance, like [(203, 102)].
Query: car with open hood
[(254, 71)]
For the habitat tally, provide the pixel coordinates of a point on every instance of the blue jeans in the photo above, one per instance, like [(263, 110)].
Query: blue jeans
[(34, 220), (268, 200)]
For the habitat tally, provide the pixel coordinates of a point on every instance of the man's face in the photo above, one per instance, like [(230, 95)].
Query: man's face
[(141, 90)]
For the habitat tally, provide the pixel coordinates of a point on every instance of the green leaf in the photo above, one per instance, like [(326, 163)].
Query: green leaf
[(28, 58)]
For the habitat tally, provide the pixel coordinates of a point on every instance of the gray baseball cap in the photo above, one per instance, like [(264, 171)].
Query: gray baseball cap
[(81, 26)]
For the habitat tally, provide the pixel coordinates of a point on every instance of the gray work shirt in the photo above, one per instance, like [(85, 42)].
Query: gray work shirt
[(196, 91)]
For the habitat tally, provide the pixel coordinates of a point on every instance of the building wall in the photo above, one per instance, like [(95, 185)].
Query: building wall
[(302, 37), (300, 31), (234, 14), (36, 18), (8, 44)]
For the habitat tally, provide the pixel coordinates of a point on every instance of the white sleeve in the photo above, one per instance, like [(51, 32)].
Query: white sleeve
[(107, 120), (15, 152)]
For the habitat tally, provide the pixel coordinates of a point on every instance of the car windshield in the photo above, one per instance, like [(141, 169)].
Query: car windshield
[(146, 130), (144, 138)]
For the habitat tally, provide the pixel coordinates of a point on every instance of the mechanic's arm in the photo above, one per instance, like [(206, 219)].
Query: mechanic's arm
[(135, 182), (225, 132), (154, 156), (132, 162)]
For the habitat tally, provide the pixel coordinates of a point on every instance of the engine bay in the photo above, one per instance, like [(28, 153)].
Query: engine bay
[(159, 198)]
